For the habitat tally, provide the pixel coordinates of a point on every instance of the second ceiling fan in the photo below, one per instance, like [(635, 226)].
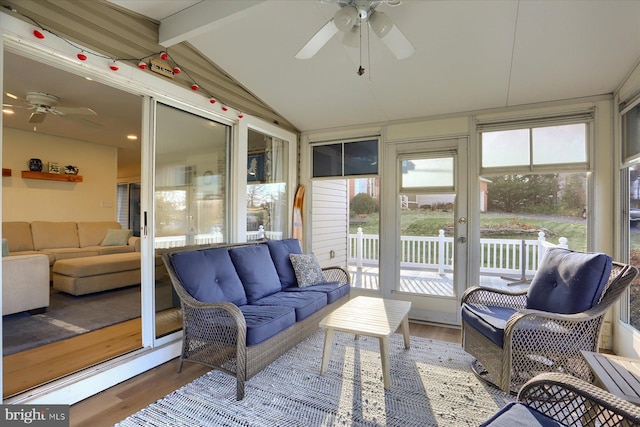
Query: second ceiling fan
[(349, 20)]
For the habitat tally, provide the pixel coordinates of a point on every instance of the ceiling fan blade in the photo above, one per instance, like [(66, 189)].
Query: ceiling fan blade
[(37, 117), (318, 40), (78, 111), (391, 35), (398, 44), (82, 121)]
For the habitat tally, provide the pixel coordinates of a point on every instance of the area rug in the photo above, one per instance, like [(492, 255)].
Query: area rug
[(69, 315), (431, 385)]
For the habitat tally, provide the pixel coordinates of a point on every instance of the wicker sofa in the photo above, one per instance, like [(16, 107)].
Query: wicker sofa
[(242, 305)]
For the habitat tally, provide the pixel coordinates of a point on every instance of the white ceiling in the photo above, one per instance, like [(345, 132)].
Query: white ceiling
[(470, 55)]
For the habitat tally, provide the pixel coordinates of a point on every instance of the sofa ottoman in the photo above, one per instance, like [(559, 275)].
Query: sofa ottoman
[(80, 276)]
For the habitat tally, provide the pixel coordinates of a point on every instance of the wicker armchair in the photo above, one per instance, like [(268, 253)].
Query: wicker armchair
[(553, 398), (536, 341), (215, 333)]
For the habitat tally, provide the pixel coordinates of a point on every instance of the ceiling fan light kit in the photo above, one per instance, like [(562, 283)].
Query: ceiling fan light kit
[(349, 19)]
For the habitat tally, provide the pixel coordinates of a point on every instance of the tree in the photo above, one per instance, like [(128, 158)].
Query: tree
[(522, 193)]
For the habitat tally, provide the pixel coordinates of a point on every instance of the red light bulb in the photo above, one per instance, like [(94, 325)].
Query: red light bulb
[(176, 70), (240, 115), (212, 100), (81, 56), (113, 67), (164, 56), (142, 65), (195, 86), (38, 34), (224, 108)]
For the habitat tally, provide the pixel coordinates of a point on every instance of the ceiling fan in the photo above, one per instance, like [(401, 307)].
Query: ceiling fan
[(42, 104), (349, 20)]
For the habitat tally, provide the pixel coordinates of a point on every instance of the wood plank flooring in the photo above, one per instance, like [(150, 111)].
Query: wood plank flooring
[(122, 400)]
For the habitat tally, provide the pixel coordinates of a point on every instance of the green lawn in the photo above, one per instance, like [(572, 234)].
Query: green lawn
[(493, 225)]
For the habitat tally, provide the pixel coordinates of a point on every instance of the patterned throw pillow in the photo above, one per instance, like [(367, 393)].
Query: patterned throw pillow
[(307, 269)]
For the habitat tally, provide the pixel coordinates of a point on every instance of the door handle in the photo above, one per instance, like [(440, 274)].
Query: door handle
[(462, 239)]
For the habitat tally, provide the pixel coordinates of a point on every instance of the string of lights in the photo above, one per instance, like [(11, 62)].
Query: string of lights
[(168, 66)]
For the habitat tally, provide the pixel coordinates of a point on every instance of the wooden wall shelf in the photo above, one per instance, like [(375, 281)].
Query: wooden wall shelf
[(51, 176), (6, 172)]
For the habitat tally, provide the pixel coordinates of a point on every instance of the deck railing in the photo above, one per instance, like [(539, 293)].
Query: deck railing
[(498, 256), (167, 242)]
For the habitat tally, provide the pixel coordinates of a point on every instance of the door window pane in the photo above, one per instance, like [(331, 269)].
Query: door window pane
[(428, 173), (633, 316)]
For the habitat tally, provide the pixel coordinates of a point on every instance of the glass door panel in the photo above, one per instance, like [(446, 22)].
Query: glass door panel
[(190, 195)]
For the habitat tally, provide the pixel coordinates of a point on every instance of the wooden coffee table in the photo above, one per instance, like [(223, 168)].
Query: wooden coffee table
[(618, 375), (373, 317)]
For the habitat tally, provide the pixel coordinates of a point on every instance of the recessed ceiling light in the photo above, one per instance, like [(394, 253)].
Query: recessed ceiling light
[(132, 137), (10, 95)]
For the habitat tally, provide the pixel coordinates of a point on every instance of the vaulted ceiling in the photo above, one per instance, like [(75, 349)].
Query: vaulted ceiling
[(469, 55)]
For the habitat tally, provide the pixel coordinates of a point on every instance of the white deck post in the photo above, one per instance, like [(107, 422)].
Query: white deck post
[(441, 251), (359, 244)]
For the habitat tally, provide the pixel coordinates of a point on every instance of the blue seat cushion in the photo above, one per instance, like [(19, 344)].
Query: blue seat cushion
[(264, 322), (490, 321), (280, 250), (568, 282), (333, 290), (517, 414), (209, 275), (304, 303), (256, 271)]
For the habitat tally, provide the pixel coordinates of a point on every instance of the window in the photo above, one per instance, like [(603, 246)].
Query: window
[(535, 146), (534, 187), (345, 159)]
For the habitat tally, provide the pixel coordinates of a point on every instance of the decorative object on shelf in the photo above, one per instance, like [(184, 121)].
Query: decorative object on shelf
[(54, 167), (71, 170), (35, 165)]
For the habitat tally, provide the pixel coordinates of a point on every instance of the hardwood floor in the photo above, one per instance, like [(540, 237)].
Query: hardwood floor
[(122, 400)]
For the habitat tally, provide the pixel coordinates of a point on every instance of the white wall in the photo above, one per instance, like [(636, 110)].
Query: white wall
[(93, 199)]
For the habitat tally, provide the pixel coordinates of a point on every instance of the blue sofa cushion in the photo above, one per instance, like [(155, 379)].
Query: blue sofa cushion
[(209, 275), (488, 320), (256, 271), (264, 322), (333, 290), (568, 282), (280, 250), (517, 414), (304, 303)]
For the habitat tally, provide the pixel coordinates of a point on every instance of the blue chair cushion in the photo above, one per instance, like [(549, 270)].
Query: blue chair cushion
[(568, 282), (304, 303), (264, 322), (333, 290), (488, 320), (517, 414), (209, 275), (280, 250), (256, 271)]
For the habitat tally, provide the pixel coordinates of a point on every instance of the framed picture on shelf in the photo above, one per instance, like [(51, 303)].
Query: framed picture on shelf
[(54, 167), (255, 168)]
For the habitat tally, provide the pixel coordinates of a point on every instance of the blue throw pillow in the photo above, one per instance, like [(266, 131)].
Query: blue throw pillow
[(568, 282), (256, 271), (280, 250), (209, 275)]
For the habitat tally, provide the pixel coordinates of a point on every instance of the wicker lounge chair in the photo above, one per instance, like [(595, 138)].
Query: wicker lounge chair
[(554, 399), (513, 343)]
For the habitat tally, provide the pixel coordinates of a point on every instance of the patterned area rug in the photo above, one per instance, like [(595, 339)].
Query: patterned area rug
[(432, 385)]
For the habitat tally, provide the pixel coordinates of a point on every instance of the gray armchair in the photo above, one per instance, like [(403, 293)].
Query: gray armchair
[(514, 336), (555, 399)]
